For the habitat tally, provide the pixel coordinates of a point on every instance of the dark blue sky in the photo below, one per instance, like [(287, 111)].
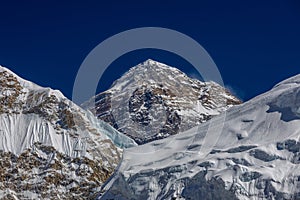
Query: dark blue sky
[(254, 43)]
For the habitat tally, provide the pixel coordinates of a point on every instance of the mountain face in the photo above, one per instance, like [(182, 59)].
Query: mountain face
[(153, 101), (49, 147), (257, 156)]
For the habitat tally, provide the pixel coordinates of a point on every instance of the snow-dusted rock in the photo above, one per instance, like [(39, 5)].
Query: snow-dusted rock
[(49, 146), (153, 101)]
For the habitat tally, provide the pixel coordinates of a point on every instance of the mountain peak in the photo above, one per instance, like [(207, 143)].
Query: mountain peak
[(151, 72), (6, 75), (153, 100), (152, 63), (8, 71), (4, 70)]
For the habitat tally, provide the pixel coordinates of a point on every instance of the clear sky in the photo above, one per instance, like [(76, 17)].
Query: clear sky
[(255, 44)]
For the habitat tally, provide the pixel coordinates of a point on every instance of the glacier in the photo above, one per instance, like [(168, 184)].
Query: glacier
[(257, 156)]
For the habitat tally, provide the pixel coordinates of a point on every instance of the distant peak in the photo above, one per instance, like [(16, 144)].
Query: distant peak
[(150, 60), (154, 65), (153, 62)]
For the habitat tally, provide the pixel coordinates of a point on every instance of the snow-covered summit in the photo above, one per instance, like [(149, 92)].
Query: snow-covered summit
[(153, 101), (154, 65), (256, 156)]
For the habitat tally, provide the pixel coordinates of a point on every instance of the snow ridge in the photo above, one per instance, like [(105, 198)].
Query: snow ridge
[(256, 156)]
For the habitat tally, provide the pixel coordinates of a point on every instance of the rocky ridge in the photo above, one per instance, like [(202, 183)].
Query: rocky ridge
[(49, 146), (153, 101)]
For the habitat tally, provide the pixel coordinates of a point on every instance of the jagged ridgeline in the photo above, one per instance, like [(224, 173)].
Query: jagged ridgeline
[(49, 147), (153, 101)]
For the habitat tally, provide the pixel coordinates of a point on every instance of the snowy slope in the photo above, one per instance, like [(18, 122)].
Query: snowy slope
[(47, 143), (153, 101), (257, 156)]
